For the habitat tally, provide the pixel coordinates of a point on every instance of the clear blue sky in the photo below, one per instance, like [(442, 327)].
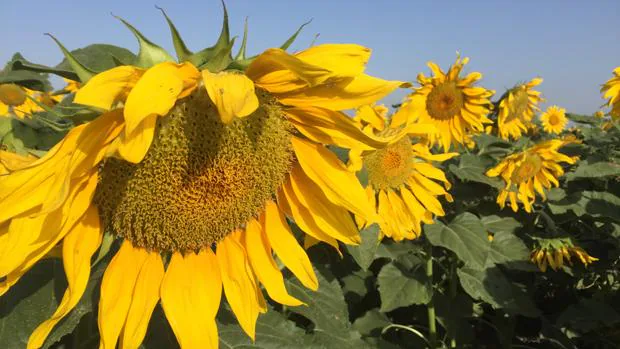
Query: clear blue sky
[(573, 45)]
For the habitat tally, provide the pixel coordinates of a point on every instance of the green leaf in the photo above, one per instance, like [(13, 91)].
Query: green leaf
[(582, 119), (371, 323), (594, 203), (491, 286), (364, 253), (29, 79), (508, 249), (588, 315), (273, 330), (401, 288), (241, 54), (497, 224), (30, 302), (149, 54), (180, 48), (594, 170), (473, 168), (327, 309), (465, 236), (100, 57)]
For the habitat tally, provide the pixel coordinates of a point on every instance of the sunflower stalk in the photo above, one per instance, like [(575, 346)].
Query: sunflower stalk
[(453, 287), (432, 322)]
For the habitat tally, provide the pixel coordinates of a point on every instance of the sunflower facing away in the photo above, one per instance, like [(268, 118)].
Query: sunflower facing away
[(553, 252), (196, 171), (16, 99), (554, 119), (529, 172), (453, 104), (403, 182), (516, 109)]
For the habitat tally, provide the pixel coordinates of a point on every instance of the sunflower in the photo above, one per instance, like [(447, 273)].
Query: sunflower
[(516, 109), (11, 95), (531, 171), (553, 252), (195, 172), (403, 182), (453, 104), (611, 90), (554, 119)]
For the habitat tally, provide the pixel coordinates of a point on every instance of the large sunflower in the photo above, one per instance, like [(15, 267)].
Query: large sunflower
[(517, 108), (196, 172), (453, 104), (611, 92), (403, 183), (554, 119), (529, 172)]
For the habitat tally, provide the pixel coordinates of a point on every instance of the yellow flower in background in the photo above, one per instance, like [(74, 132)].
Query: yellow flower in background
[(611, 92), (599, 114), (71, 86), (30, 106), (11, 95), (553, 253), (204, 168), (516, 109), (403, 183), (372, 115), (529, 172), (453, 104), (554, 119)]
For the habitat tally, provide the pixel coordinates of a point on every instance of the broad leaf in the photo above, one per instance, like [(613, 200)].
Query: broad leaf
[(473, 168), (497, 224), (401, 288), (364, 253)]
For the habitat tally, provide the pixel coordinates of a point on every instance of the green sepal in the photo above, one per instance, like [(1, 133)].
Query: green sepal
[(241, 54), (183, 53), (83, 73), (149, 54), (290, 40), (221, 60), (220, 52)]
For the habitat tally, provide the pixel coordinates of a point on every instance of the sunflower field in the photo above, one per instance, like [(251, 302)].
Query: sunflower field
[(221, 199)]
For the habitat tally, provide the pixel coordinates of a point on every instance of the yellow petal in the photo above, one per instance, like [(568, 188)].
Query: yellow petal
[(109, 87), (239, 283), (190, 295), (143, 301), (78, 247), (344, 60), (232, 93), (117, 288), (332, 127), (333, 220), (331, 175), (278, 71), (286, 246), (154, 94), (259, 253), (348, 93), (133, 147), (301, 215), (10, 162)]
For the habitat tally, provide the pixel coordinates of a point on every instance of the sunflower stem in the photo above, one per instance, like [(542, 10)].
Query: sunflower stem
[(432, 324), (453, 286)]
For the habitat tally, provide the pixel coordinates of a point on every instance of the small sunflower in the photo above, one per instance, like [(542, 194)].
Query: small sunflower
[(456, 107), (531, 171), (516, 109), (11, 95), (553, 252), (202, 169), (611, 90), (554, 119), (403, 181)]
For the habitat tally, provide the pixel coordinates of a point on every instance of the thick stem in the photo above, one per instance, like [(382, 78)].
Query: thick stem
[(453, 285), (432, 324)]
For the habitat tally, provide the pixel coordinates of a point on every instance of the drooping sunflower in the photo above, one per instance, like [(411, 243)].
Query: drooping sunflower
[(553, 252), (531, 171), (611, 92), (23, 101), (456, 107), (11, 95), (554, 119), (403, 182), (202, 168), (516, 109)]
